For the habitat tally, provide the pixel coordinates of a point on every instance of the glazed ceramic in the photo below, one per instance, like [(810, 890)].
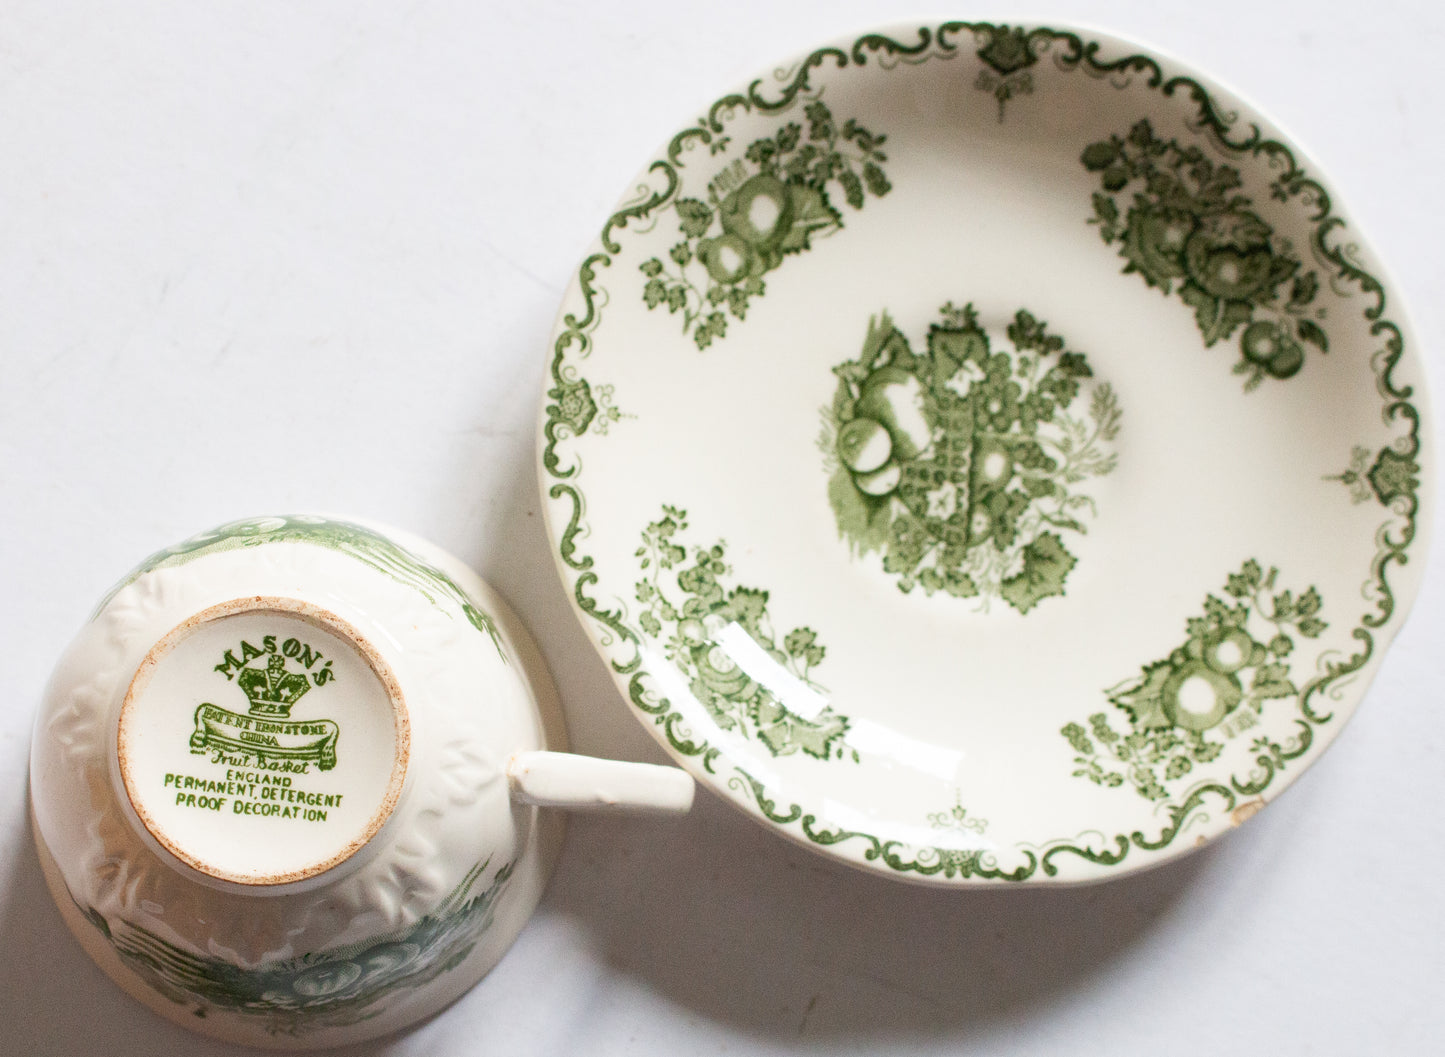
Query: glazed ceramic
[(987, 454), (285, 781)]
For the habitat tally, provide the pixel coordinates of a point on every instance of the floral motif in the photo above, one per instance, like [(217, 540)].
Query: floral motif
[(961, 861), (960, 462), (772, 202), (1007, 57), (572, 405), (607, 411), (576, 407), (957, 818), (1236, 658), (1355, 478), (1187, 224), (701, 618), (1394, 476)]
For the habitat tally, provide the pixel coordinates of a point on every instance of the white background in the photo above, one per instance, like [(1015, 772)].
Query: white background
[(268, 257)]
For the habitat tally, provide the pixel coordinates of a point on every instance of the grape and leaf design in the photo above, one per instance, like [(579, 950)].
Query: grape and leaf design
[(1187, 228), (1181, 710), (772, 202), (961, 462), (691, 605)]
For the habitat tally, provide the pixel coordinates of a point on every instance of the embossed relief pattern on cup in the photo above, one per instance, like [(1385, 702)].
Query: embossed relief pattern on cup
[(322, 989), (358, 541)]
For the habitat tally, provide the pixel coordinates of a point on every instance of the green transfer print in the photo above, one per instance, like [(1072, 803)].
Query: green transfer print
[(1356, 477), (1180, 710), (1007, 57), (961, 462), (962, 862), (326, 989), (357, 541), (1357, 291), (576, 406), (688, 605), (267, 734), (958, 818), (772, 202), (1184, 225), (1393, 478)]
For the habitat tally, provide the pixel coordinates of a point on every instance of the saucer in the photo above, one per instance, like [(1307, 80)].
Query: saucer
[(987, 454)]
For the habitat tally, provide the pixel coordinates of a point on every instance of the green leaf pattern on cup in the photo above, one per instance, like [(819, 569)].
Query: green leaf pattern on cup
[(330, 988), (358, 541)]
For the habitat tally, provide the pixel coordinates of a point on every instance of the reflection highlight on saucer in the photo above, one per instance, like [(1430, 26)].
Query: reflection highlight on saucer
[(732, 645)]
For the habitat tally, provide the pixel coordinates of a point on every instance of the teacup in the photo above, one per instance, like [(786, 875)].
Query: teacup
[(287, 782)]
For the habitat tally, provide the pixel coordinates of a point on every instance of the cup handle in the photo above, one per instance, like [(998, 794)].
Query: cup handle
[(586, 783)]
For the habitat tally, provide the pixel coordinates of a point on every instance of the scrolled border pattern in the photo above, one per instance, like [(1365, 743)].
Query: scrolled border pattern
[(1069, 52)]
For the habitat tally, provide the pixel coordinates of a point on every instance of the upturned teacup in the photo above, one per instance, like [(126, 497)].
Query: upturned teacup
[(289, 782)]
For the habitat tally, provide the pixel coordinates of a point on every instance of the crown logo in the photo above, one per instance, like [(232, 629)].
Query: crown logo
[(272, 690)]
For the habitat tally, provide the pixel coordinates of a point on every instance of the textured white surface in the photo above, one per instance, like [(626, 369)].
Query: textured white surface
[(260, 257)]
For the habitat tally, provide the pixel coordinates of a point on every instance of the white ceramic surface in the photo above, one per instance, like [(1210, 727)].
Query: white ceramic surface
[(987, 454), (272, 781)]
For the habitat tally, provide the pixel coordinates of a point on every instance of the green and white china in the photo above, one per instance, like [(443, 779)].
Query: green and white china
[(286, 782), (987, 454)]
